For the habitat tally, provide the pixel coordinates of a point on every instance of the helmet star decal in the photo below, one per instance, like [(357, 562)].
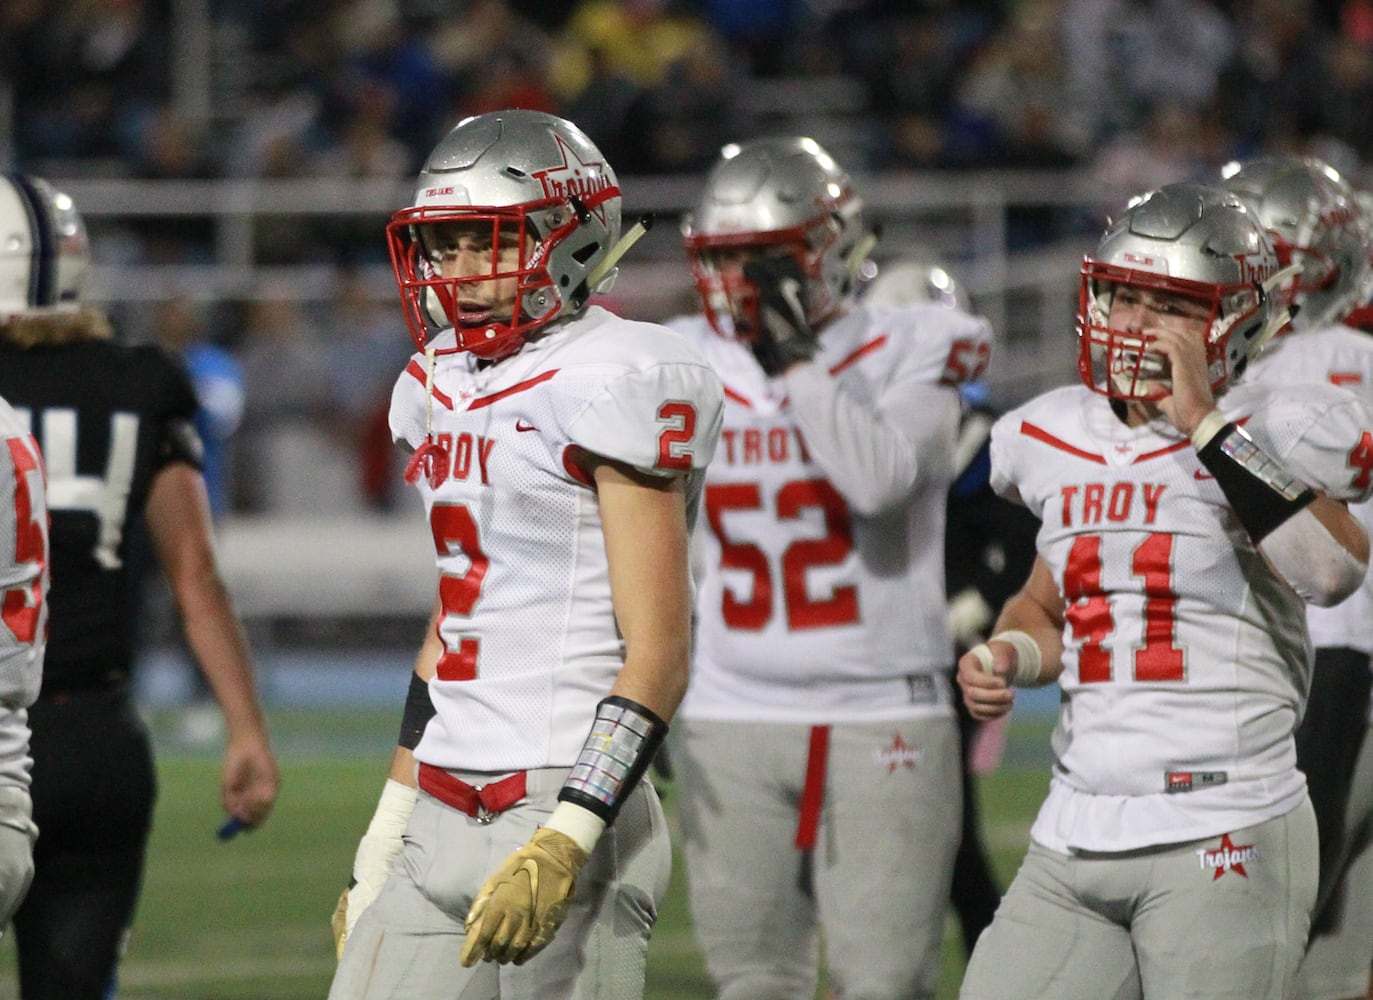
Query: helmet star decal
[(575, 178)]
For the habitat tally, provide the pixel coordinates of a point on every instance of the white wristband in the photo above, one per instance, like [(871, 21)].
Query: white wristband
[(983, 652), (1207, 428), (577, 822), (1029, 661)]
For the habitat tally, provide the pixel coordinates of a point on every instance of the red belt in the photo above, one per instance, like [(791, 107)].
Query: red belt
[(481, 802)]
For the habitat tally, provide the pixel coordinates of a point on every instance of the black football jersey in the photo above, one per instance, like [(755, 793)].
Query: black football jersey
[(107, 417)]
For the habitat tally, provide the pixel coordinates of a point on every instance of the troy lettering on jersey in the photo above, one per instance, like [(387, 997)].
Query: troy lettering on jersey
[(470, 452), (1096, 503), (762, 445)]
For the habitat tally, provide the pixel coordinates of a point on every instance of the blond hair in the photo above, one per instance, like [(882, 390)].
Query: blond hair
[(54, 329)]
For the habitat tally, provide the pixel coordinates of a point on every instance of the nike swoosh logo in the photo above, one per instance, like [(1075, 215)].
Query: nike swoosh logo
[(521, 426), (532, 867), (1198, 474)]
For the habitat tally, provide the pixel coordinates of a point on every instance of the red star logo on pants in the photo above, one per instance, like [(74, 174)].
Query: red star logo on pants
[(899, 754), (1229, 857)]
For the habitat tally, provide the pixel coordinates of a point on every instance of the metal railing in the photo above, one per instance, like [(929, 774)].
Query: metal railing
[(968, 218)]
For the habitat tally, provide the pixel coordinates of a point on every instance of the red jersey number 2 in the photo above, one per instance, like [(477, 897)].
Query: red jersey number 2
[(455, 532), (674, 442)]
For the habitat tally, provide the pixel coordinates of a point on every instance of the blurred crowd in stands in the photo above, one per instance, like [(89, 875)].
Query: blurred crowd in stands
[(363, 87), (1131, 93)]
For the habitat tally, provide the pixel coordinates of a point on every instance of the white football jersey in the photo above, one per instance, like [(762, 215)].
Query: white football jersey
[(1341, 356), (1186, 662), (530, 639), (821, 552), (24, 583)]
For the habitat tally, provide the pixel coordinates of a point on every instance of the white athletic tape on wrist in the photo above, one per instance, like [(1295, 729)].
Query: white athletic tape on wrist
[(983, 652), (1029, 661), (582, 825), (382, 842), (379, 847), (1207, 428)]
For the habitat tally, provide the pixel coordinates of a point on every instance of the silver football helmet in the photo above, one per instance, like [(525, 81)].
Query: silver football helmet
[(912, 280), (1316, 222), (44, 251), (1189, 240), (783, 196), (541, 184)]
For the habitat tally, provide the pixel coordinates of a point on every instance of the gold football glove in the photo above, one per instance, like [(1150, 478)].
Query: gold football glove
[(520, 907), (338, 923)]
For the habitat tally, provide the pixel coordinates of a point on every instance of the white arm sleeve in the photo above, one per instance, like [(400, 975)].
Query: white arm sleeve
[(1312, 561), (873, 452)]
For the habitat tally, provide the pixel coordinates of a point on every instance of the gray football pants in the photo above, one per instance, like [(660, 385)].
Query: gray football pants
[(406, 944), (875, 886), (1166, 923)]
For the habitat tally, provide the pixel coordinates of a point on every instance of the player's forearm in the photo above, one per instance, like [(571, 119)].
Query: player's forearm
[(871, 457), (1033, 611), (403, 766), (220, 648), (656, 679), (647, 553), (1321, 552), (1308, 538)]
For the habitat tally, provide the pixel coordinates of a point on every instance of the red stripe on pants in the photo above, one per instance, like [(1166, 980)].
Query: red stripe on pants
[(813, 795)]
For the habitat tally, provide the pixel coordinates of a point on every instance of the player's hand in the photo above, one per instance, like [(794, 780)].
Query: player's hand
[(17, 834), (338, 923), (784, 337), (249, 780), (376, 855), (520, 907), (1190, 397), (986, 691)]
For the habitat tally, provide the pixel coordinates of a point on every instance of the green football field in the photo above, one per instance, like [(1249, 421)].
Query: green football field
[(249, 920)]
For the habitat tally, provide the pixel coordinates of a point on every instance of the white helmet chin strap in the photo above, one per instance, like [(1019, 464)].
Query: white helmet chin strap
[(605, 269), (1279, 317)]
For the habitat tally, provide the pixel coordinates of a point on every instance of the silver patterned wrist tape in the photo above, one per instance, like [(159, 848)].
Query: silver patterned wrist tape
[(1261, 492), (617, 752)]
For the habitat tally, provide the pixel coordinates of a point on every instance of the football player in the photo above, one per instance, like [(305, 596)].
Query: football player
[(1320, 222), (115, 424), (819, 761), (23, 635), (559, 452), (1316, 222), (1186, 520)]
